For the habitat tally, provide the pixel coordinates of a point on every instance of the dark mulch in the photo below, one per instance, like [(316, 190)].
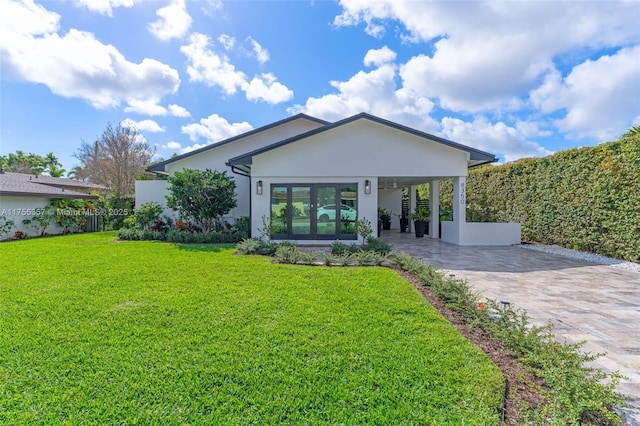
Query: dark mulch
[(520, 390)]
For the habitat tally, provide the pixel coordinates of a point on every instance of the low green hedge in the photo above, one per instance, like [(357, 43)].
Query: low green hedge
[(183, 237)]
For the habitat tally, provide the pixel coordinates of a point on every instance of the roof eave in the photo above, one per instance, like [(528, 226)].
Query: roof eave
[(160, 167), (48, 195), (474, 154)]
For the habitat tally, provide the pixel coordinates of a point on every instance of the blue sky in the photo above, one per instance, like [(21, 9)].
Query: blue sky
[(517, 79)]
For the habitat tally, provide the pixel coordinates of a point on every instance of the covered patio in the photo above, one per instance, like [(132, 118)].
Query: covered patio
[(458, 230)]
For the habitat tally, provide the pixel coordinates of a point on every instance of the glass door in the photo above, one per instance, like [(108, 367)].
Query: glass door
[(327, 204), (310, 212), (301, 212)]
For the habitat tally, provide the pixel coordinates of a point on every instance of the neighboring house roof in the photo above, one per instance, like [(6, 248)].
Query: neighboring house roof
[(477, 157), (22, 184), (159, 167)]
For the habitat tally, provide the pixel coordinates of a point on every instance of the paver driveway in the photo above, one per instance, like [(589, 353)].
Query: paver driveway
[(582, 300)]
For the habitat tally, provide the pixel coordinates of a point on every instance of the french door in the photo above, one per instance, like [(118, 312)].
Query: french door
[(314, 211)]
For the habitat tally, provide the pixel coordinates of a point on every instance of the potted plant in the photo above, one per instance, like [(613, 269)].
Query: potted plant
[(420, 219), (404, 222), (385, 218)]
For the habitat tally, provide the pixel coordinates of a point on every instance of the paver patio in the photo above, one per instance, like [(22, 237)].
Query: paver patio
[(599, 304)]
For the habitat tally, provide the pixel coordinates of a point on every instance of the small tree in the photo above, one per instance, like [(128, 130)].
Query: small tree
[(115, 160), (39, 222), (202, 196)]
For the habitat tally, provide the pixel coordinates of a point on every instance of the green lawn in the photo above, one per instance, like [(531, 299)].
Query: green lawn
[(97, 331)]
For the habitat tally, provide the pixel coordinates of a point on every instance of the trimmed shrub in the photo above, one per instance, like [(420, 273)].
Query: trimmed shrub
[(256, 246), (181, 237)]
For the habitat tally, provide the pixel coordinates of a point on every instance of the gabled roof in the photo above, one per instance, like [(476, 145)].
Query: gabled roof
[(22, 184), (160, 166), (477, 157)]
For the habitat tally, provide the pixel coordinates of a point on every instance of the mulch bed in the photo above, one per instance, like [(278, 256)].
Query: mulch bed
[(520, 390)]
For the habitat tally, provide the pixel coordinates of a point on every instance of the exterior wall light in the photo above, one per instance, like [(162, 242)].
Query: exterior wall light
[(259, 187), (367, 186)]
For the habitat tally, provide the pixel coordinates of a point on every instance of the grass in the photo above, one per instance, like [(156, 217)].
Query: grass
[(96, 331)]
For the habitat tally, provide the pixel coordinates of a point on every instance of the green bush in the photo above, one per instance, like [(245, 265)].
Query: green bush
[(371, 244), (39, 222), (181, 237), (257, 246), (368, 258), (376, 245), (204, 238), (287, 254), (5, 226), (141, 235), (147, 215), (339, 248), (114, 211)]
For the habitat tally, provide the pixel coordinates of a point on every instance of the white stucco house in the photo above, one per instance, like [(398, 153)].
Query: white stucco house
[(22, 195), (311, 179)]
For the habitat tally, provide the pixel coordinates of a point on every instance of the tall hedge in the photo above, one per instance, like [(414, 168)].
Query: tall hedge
[(587, 199)]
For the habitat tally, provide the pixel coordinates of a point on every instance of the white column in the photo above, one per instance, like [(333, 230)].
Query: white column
[(459, 208), (434, 206), (460, 199)]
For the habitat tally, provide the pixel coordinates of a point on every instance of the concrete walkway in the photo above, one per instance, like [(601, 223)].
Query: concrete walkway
[(583, 301)]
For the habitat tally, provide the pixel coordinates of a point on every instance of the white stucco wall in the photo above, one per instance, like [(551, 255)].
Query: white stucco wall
[(391, 199), (148, 191), (482, 234), (362, 148), (19, 208)]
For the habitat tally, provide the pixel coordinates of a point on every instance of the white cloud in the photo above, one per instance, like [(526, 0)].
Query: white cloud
[(374, 92), (153, 109), (494, 51), (25, 19), (502, 60), (209, 68), (210, 7), (172, 145), (601, 98), (213, 69), (144, 107), (173, 21), (214, 129), (227, 41), (261, 54), (511, 143), (178, 111), (143, 126), (192, 147), (104, 7), (379, 57), (76, 64), (266, 88)]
